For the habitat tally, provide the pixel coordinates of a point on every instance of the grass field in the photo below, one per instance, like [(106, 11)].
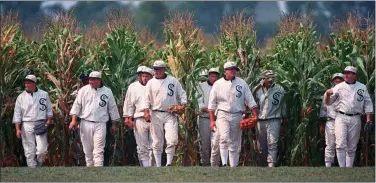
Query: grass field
[(180, 174)]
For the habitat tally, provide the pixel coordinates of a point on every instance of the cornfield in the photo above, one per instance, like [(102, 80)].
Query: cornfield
[(302, 60)]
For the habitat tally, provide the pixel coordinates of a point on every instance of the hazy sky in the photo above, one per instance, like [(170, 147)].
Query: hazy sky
[(68, 4)]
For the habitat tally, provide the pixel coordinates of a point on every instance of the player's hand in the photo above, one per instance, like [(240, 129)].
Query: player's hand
[(129, 123), (322, 129), (147, 116), (368, 127), (49, 122), (212, 126), (19, 134), (73, 125), (113, 128), (329, 92)]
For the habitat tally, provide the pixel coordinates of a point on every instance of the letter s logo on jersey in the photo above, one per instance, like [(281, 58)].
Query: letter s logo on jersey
[(360, 93), (170, 87), (238, 88), (103, 99), (276, 97), (43, 102)]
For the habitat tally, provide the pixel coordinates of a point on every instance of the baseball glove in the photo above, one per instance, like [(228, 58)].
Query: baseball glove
[(178, 109), (248, 123)]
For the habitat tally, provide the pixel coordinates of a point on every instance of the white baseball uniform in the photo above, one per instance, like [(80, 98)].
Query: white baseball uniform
[(271, 108), (131, 108), (32, 109), (349, 100), (229, 97), (205, 134), (160, 95), (328, 112), (95, 107)]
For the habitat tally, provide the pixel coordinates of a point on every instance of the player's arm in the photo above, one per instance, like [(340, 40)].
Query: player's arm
[(250, 101)]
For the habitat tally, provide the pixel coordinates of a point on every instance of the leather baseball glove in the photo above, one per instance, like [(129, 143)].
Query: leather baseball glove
[(248, 123), (178, 109)]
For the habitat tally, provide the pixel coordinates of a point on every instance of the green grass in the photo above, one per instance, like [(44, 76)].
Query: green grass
[(180, 174)]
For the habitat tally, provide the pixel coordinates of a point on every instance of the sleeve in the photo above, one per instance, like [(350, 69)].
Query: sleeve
[(323, 109), (77, 104), (127, 101), (182, 94), (112, 108), (212, 104), (200, 97), (17, 115), (49, 106), (248, 98), (146, 99), (334, 96), (368, 105)]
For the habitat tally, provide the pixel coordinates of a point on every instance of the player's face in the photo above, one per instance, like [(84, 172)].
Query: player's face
[(139, 77), (159, 72), (30, 86), (350, 77), (268, 82), (213, 77), (95, 82), (145, 77), (230, 73), (337, 81)]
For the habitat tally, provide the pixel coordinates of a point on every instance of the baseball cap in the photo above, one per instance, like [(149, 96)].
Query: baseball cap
[(148, 70), (350, 69), (216, 70), (229, 65), (84, 77), (31, 78), (140, 69), (95, 74), (267, 74), (340, 75), (159, 64)]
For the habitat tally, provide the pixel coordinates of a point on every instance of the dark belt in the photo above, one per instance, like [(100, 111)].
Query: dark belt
[(349, 114), (230, 112), (35, 120), (204, 117), (159, 111), (89, 121)]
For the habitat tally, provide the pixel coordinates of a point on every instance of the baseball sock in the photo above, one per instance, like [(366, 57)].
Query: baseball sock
[(145, 163), (328, 164), (341, 156), (349, 161), (157, 160), (224, 156), (170, 157)]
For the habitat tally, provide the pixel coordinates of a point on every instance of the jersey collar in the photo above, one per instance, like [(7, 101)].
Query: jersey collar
[(209, 83), (224, 77), (350, 83), (31, 93)]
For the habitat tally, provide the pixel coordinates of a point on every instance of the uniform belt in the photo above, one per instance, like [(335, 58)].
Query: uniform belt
[(89, 121), (329, 119), (159, 110), (349, 114), (204, 117)]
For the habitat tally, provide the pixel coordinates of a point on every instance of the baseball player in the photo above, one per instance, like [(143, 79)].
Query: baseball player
[(271, 113), (328, 115), (205, 134), (350, 99), (228, 96), (134, 117), (32, 108), (95, 105), (162, 92)]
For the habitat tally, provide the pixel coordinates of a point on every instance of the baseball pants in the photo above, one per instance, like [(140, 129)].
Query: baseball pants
[(268, 135), (347, 133), (215, 152), (143, 139), (164, 125), (93, 139), (205, 141), (228, 125), (35, 146), (330, 141)]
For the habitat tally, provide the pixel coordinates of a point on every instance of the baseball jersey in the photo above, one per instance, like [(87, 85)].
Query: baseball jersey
[(351, 98), (327, 110), (230, 96), (271, 102), (133, 100), (96, 105), (32, 106), (202, 95), (162, 93)]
